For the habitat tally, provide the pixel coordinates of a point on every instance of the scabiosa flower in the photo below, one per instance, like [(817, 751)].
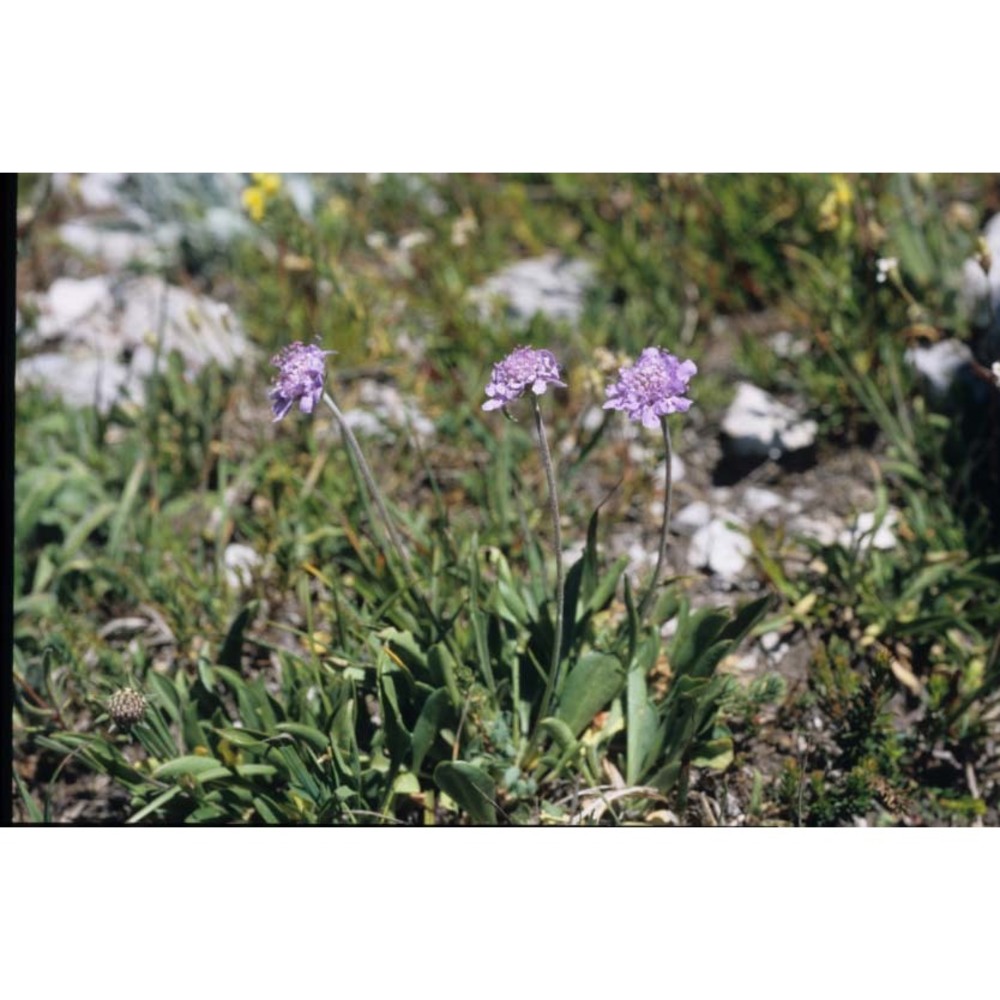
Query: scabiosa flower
[(651, 388), (301, 368), (524, 368), (528, 368)]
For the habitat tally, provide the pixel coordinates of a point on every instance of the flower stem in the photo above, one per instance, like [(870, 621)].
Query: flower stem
[(366, 473), (554, 670), (665, 527)]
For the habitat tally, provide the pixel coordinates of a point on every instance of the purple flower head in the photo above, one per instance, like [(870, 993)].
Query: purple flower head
[(651, 388), (524, 368), (301, 368)]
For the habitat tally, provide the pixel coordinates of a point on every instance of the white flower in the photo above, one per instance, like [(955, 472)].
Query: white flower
[(996, 373), (885, 265)]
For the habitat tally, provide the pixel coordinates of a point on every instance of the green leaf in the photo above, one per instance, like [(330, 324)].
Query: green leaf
[(190, 765), (166, 694), (34, 813), (406, 783), (85, 527), (715, 753), (405, 648), (510, 606), (745, 619), (255, 709), (267, 810), (644, 729), (124, 509), (192, 728), (397, 737), (695, 634), (243, 738), (240, 771), (560, 733), (592, 683), (667, 607), (441, 664), (154, 735), (666, 777), (231, 654), (206, 675), (437, 709), (601, 594), (302, 779), (316, 739), (151, 807), (472, 789)]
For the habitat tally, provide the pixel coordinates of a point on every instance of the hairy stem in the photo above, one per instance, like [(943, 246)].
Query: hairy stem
[(647, 598), (366, 473), (554, 670)]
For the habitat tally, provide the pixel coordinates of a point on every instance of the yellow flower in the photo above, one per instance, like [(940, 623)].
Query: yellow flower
[(831, 209), (259, 193), (254, 201), (842, 191), (270, 184)]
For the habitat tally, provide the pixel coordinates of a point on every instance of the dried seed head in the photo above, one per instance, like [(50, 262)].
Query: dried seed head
[(126, 707)]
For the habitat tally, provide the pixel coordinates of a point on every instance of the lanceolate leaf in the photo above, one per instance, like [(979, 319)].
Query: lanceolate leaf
[(471, 788), (436, 710), (231, 653), (644, 729), (589, 688)]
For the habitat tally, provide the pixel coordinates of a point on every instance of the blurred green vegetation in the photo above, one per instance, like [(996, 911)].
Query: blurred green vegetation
[(336, 689)]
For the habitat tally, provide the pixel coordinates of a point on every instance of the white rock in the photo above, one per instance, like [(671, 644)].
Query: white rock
[(977, 288), (938, 363), (757, 501), (692, 517), (395, 412), (787, 345), (224, 225), (770, 641), (80, 378), (200, 328), (641, 559), (382, 412), (592, 418), (71, 301), (112, 247), (722, 549), (638, 453), (759, 426), (823, 531), (748, 662), (106, 335), (240, 561), (364, 423), (549, 285), (100, 191), (300, 190), (678, 470), (860, 535)]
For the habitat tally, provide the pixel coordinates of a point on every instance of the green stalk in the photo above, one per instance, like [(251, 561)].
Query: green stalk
[(366, 474), (665, 527), (555, 668)]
